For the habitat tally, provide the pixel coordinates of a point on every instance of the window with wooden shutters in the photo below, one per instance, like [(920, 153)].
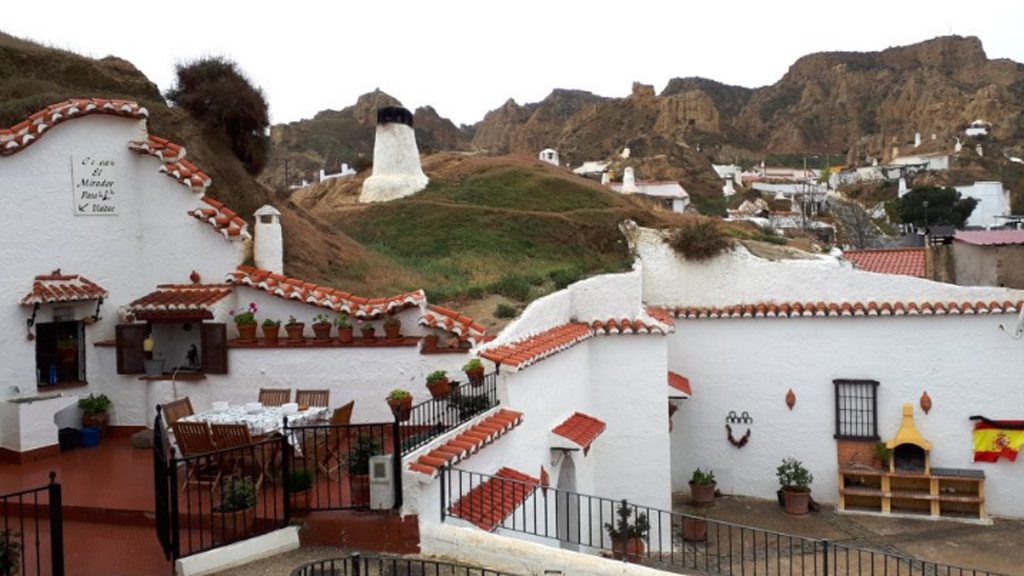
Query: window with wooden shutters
[(131, 359), (215, 348), (856, 409)]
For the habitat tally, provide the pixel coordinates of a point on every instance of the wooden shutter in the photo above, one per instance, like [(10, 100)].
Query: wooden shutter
[(130, 356), (215, 348)]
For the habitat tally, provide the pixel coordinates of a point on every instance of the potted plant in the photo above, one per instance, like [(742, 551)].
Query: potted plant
[(474, 370), (67, 349), (246, 323), (702, 487), (94, 412), (358, 464), (235, 514), (430, 343), (271, 330), (881, 455), (298, 484), (367, 329), (294, 328), (401, 403), (437, 383), (321, 328), (628, 537), (795, 481), (695, 528), (392, 327), (344, 328), (10, 553)]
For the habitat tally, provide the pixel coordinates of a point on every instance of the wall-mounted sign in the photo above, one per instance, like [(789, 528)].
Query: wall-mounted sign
[(94, 186)]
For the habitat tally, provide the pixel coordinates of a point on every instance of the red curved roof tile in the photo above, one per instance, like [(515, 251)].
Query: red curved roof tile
[(903, 261), (454, 323), (535, 348), (843, 309), (580, 429), (470, 441), (57, 287), (489, 503)]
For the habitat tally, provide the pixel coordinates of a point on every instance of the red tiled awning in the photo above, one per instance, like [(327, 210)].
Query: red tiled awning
[(678, 384), (469, 442), (490, 503), (180, 301), (578, 431), (903, 261), (57, 287)]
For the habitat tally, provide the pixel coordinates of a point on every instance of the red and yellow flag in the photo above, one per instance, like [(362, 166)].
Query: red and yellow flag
[(997, 438)]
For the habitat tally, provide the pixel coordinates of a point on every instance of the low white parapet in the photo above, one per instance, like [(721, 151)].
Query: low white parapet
[(256, 548)]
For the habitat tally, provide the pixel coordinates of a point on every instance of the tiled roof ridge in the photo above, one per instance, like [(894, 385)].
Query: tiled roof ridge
[(173, 161), (451, 321), (223, 219), (57, 287), (822, 309), (323, 296), (24, 133), (467, 440), (182, 297)]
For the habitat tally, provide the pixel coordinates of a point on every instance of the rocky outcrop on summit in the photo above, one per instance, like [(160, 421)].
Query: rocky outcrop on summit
[(529, 129)]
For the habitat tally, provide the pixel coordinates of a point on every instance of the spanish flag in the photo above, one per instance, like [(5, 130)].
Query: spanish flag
[(996, 438)]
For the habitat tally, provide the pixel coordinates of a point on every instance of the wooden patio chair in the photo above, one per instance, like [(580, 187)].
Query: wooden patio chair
[(332, 448), (194, 439), (275, 396), (317, 398), (237, 436), (176, 410)]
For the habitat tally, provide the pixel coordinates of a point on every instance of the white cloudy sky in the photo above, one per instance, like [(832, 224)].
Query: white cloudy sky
[(467, 57)]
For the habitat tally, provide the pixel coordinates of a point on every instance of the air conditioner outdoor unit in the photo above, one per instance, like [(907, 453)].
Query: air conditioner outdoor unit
[(382, 483)]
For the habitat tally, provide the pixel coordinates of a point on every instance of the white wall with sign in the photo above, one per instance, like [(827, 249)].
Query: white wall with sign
[(94, 185)]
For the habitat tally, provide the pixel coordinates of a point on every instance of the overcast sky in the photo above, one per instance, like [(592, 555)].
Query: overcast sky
[(466, 58)]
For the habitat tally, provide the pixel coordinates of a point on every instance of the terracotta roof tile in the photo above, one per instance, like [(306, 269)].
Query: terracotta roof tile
[(535, 348), (22, 134), (454, 323), (470, 441), (323, 296), (989, 237), (680, 383), (57, 287), (854, 309), (905, 261), (488, 504), (181, 298), (581, 429), (222, 219)]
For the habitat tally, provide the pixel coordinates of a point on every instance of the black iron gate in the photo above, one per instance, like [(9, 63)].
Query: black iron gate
[(32, 531)]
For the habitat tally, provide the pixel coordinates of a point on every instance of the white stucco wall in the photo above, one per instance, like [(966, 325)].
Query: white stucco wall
[(993, 200)]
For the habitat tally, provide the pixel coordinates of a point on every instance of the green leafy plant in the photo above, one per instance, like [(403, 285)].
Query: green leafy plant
[(505, 311), (248, 316), (882, 451), (398, 395), (292, 321), (699, 240), (793, 476), (473, 364), (269, 323), (10, 553), (701, 478), (93, 404), (321, 318), (236, 494), (436, 376), (514, 286), (623, 528), (358, 459), (342, 321), (469, 405), (298, 480)]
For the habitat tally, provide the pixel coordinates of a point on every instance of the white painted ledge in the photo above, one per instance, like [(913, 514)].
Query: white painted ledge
[(219, 559)]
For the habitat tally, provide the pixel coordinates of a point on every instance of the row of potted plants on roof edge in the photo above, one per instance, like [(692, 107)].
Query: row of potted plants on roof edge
[(441, 386), (245, 322)]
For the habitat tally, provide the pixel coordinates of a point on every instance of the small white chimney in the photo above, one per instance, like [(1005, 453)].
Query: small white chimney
[(268, 245), (629, 182), (397, 172)]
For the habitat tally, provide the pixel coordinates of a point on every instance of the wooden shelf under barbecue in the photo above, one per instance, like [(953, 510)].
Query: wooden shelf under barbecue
[(939, 492)]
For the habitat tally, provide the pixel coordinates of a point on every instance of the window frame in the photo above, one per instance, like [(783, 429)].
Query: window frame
[(841, 409), (80, 360)]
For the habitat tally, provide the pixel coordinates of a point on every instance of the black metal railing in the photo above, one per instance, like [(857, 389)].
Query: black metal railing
[(661, 538), (32, 531), (432, 418), (366, 565)]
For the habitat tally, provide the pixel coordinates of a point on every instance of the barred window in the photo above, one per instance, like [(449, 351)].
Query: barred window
[(856, 409)]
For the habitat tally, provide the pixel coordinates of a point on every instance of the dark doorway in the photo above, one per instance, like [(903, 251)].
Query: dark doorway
[(59, 353)]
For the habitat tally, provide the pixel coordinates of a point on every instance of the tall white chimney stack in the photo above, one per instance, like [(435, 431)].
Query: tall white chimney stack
[(397, 172), (268, 245)]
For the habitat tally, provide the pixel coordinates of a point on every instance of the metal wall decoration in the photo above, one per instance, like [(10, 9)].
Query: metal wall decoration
[(926, 402), (744, 419), (790, 399)]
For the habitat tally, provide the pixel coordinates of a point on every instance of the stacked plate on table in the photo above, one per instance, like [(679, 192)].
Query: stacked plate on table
[(290, 408), (253, 407)]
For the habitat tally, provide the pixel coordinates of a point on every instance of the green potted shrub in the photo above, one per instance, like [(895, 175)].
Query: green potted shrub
[(367, 329), (438, 384), (294, 328), (344, 326), (245, 322), (392, 327), (358, 465), (400, 402), (881, 455), (474, 370), (795, 481), (10, 553), (271, 331), (702, 487), (321, 328), (95, 412), (233, 517), (297, 484), (628, 538)]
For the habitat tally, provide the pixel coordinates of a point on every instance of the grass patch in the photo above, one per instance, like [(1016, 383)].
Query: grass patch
[(700, 240), (505, 311)]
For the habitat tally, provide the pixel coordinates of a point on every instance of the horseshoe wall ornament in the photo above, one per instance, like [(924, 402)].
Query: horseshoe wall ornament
[(745, 419)]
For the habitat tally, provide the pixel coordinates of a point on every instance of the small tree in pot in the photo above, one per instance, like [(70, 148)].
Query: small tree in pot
[(95, 412), (795, 481), (628, 537), (401, 403), (294, 328), (235, 514), (321, 328), (10, 553), (271, 330), (474, 370), (702, 487)]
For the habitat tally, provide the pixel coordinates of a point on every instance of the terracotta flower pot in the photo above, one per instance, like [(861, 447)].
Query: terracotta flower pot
[(246, 332), (368, 333), (476, 377), (635, 549), (295, 331), (430, 342), (232, 526), (321, 332), (797, 502), (695, 530), (271, 334), (440, 388), (392, 331), (345, 335), (703, 494), (405, 405)]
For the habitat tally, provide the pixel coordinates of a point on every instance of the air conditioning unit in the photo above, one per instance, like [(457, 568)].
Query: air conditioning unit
[(382, 482)]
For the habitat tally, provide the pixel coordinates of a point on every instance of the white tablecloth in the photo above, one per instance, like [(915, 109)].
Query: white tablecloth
[(267, 421)]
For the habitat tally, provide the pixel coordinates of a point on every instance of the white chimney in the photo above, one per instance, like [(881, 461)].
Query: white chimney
[(268, 245), (629, 182), (397, 172)]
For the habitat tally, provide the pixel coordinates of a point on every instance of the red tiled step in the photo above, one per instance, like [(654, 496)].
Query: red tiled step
[(488, 504), (469, 442)]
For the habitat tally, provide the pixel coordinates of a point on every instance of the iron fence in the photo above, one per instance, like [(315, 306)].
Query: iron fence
[(32, 531), (373, 565), (432, 418), (660, 538)]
